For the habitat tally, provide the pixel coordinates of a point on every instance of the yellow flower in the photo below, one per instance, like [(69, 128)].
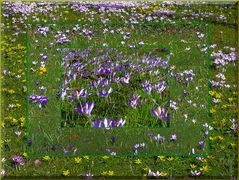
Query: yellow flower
[(14, 121), (42, 70), (204, 168), (170, 158), (18, 105), (78, 160), (162, 158), (24, 154), (232, 145), (137, 161), (220, 138), (209, 157), (2, 124), (193, 166), (212, 110), (46, 158), (212, 93), (212, 138), (66, 173), (86, 157), (223, 121), (7, 140), (230, 99), (105, 157), (111, 173), (11, 91), (218, 95), (224, 106), (164, 174), (104, 173)]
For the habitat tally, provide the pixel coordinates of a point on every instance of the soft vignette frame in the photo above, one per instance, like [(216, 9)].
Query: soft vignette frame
[(208, 1)]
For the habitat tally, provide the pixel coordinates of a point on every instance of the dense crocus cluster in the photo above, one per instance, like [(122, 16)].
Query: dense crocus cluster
[(61, 38), (41, 100), (222, 59), (108, 123)]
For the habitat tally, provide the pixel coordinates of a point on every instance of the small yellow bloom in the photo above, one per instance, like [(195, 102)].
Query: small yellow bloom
[(137, 161), (164, 174), (218, 95), (42, 70), (18, 105), (66, 173), (232, 145), (11, 91), (104, 173), (224, 106), (220, 138), (46, 158), (230, 99), (212, 138), (162, 158), (212, 93), (209, 157), (212, 110), (24, 154), (111, 173), (170, 158), (2, 124), (105, 157), (86, 157), (204, 168), (78, 160), (193, 166), (14, 121), (7, 140)]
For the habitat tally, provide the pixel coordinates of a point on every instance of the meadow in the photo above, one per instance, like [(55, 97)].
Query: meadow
[(119, 89)]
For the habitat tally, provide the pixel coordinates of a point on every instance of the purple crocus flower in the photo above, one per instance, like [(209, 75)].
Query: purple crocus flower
[(65, 151), (86, 108), (173, 137), (161, 113), (95, 83), (134, 101), (81, 93), (201, 144), (29, 142), (125, 79), (18, 160), (104, 93), (160, 87)]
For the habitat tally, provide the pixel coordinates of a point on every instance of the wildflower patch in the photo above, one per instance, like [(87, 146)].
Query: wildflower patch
[(131, 95)]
